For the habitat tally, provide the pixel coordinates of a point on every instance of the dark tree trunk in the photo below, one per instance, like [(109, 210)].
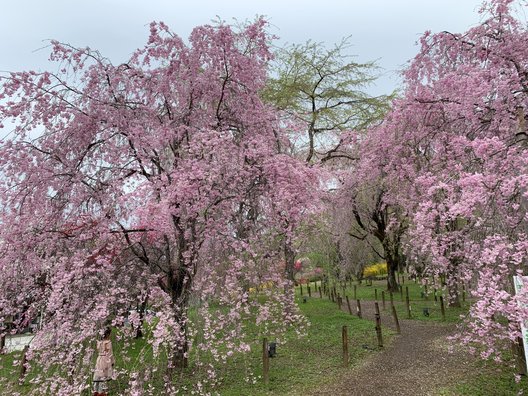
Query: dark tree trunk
[(289, 256), (393, 263), (453, 299), (180, 359), (180, 285), (141, 309), (392, 267), (451, 279)]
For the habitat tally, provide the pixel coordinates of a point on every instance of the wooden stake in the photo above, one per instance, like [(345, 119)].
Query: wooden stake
[(407, 302), (265, 361), (378, 330), (309, 291), (358, 303), (376, 294), (396, 321), (376, 307), (344, 337)]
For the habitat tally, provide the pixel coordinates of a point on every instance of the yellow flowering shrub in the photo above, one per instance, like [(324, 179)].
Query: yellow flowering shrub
[(262, 286), (375, 270)]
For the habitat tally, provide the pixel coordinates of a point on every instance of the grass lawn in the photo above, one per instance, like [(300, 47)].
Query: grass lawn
[(310, 362), (490, 380), (301, 364), (418, 301)]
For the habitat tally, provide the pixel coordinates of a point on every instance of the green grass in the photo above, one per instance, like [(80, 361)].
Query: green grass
[(452, 315), (301, 364), (310, 362), (490, 379), (418, 302), (8, 371), (365, 292)]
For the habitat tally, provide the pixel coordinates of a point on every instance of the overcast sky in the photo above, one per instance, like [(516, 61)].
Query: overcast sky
[(386, 30)]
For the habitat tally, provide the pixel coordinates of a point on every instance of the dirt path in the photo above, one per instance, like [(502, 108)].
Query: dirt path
[(416, 363)]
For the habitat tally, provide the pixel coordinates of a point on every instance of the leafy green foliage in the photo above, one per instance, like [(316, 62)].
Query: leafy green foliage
[(324, 89)]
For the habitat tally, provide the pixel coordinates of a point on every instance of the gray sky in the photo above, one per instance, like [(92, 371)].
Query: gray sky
[(386, 30)]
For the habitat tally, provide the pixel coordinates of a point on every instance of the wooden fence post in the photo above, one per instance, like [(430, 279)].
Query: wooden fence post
[(378, 330), (344, 336), (358, 303), (376, 308), (376, 294), (309, 291), (265, 361), (348, 304), (407, 302), (396, 321)]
